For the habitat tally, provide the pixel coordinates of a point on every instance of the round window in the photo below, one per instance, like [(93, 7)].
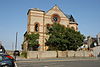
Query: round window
[(55, 18)]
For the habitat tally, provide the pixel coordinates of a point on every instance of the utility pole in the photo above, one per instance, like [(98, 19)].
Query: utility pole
[(16, 45), (16, 41)]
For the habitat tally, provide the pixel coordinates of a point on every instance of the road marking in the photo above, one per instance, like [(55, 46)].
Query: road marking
[(45, 66), (15, 65)]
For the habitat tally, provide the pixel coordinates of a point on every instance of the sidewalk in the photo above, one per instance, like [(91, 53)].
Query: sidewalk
[(20, 59)]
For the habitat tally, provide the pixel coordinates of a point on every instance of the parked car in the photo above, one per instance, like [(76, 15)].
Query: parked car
[(16, 53), (6, 61), (2, 49)]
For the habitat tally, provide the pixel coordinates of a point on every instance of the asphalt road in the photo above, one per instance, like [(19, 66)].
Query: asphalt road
[(78, 63)]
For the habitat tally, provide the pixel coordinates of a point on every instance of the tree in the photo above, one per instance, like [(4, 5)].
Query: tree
[(62, 38), (56, 33), (32, 39), (75, 39)]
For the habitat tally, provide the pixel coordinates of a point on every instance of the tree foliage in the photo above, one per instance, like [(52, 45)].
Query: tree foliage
[(32, 41), (62, 38)]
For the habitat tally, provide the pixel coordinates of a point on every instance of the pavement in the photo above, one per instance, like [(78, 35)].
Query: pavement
[(59, 62), (21, 59)]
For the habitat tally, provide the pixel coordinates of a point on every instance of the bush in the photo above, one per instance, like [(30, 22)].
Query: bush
[(24, 54)]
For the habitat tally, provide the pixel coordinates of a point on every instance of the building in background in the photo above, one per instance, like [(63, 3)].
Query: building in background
[(39, 20), (98, 38), (91, 42)]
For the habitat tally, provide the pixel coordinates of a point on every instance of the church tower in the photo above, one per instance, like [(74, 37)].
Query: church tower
[(36, 25)]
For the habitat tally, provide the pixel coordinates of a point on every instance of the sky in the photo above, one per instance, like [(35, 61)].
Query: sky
[(13, 17)]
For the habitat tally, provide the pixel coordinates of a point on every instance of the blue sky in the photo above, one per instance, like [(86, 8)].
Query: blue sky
[(13, 17)]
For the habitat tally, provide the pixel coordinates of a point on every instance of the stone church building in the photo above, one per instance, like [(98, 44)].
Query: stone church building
[(39, 20)]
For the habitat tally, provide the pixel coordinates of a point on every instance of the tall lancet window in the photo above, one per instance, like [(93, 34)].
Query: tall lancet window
[(36, 27)]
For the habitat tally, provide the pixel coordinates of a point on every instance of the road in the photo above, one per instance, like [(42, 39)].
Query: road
[(78, 63)]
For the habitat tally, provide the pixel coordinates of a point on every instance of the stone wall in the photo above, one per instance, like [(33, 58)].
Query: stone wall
[(62, 54), (32, 54), (96, 51), (41, 54), (54, 54), (10, 52), (71, 53)]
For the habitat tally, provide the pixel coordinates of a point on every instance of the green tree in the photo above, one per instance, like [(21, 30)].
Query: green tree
[(56, 33), (32, 39), (62, 38), (75, 39)]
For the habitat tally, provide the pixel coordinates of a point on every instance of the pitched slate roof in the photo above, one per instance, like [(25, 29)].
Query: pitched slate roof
[(35, 9), (71, 19)]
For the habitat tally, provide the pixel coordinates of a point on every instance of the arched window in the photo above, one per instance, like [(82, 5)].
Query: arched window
[(47, 27), (73, 28), (76, 28), (36, 27)]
